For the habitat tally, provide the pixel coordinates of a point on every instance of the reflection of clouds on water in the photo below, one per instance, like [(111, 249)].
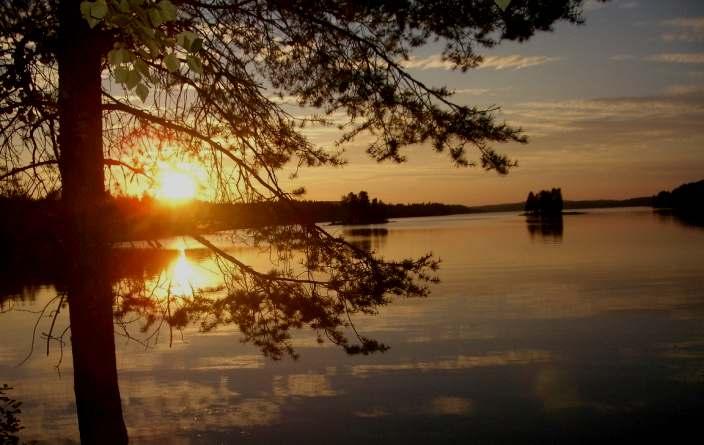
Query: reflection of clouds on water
[(451, 406), (225, 363), (508, 358), (556, 390), (371, 413), (515, 324), (303, 385)]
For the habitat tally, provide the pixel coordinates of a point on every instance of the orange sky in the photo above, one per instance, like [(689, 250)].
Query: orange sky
[(613, 109)]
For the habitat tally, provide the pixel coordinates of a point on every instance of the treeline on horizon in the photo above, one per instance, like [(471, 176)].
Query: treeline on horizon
[(38, 221), (686, 201)]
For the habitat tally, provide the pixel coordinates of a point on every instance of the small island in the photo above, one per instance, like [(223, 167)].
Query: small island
[(357, 209), (546, 203)]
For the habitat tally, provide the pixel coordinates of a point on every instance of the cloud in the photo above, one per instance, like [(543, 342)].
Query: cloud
[(681, 90), (628, 5), (473, 91), (516, 62), (513, 61), (622, 57), (687, 29), (629, 120), (593, 5), (688, 58)]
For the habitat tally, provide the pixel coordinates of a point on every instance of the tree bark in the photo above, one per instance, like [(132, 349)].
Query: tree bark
[(90, 296)]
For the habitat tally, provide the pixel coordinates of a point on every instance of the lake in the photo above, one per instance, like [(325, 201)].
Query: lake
[(583, 330)]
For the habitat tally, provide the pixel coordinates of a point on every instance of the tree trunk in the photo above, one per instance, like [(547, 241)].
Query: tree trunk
[(83, 193)]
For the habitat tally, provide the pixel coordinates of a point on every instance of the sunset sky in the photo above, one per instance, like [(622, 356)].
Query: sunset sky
[(613, 109)]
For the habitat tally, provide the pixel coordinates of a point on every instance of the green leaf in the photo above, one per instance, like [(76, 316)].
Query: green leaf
[(133, 78), (99, 9), (154, 49), (142, 67), (85, 9), (127, 55), (195, 64), (503, 4), (142, 91), (121, 74), (115, 56), (185, 38), (196, 45), (171, 62), (168, 10), (122, 5), (155, 17)]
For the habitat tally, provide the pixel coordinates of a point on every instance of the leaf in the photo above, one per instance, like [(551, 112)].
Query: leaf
[(99, 9), (168, 10), (195, 64), (171, 62), (503, 4), (142, 67), (196, 45), (133, 78), (185, 38), (123, 5), (155, 17), (142, 91), (121, 74), (85, 9), (115, 56)]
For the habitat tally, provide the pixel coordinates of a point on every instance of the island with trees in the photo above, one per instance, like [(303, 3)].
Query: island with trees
[(545, 203), (685, 202)]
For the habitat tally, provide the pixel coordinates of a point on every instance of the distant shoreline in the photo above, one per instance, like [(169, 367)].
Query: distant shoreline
[(645, 201)]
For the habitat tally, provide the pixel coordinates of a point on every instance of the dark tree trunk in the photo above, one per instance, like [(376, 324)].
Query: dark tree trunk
[(90, 296)]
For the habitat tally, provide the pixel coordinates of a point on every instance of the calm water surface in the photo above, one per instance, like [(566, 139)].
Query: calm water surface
[(593, 330)]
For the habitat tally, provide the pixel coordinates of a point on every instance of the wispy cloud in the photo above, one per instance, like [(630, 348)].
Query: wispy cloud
[(628, 4), (594, 5), (688, 58), (513, 61), (622, 57), (473, 91), (687, 29), (678, 113), (682, 90), (516, 61)]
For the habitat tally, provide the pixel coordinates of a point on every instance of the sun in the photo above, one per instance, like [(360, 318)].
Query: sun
[(176, 183)]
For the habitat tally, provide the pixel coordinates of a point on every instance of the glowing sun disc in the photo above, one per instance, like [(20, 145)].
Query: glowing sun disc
[(175, 185)]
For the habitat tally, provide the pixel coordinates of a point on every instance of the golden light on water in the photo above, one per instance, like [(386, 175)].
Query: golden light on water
[(182, 275)]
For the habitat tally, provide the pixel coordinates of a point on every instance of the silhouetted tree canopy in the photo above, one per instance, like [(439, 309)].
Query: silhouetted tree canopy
[(203, 76), (685, 198), (546, 202), (358, 209), (112, 84), (10, 424)]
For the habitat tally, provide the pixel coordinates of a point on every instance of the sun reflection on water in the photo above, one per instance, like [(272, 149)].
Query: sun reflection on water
[(187, 276)]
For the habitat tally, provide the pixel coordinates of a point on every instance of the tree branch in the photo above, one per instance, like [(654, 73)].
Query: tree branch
[(108, 162)]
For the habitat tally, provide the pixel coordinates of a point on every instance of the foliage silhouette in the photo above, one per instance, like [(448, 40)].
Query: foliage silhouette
[(193, 73), (544, 203), (358, 209), (10, 424)]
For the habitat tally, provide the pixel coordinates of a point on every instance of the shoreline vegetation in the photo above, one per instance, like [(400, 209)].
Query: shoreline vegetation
[(133, 218), (35, 222)]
